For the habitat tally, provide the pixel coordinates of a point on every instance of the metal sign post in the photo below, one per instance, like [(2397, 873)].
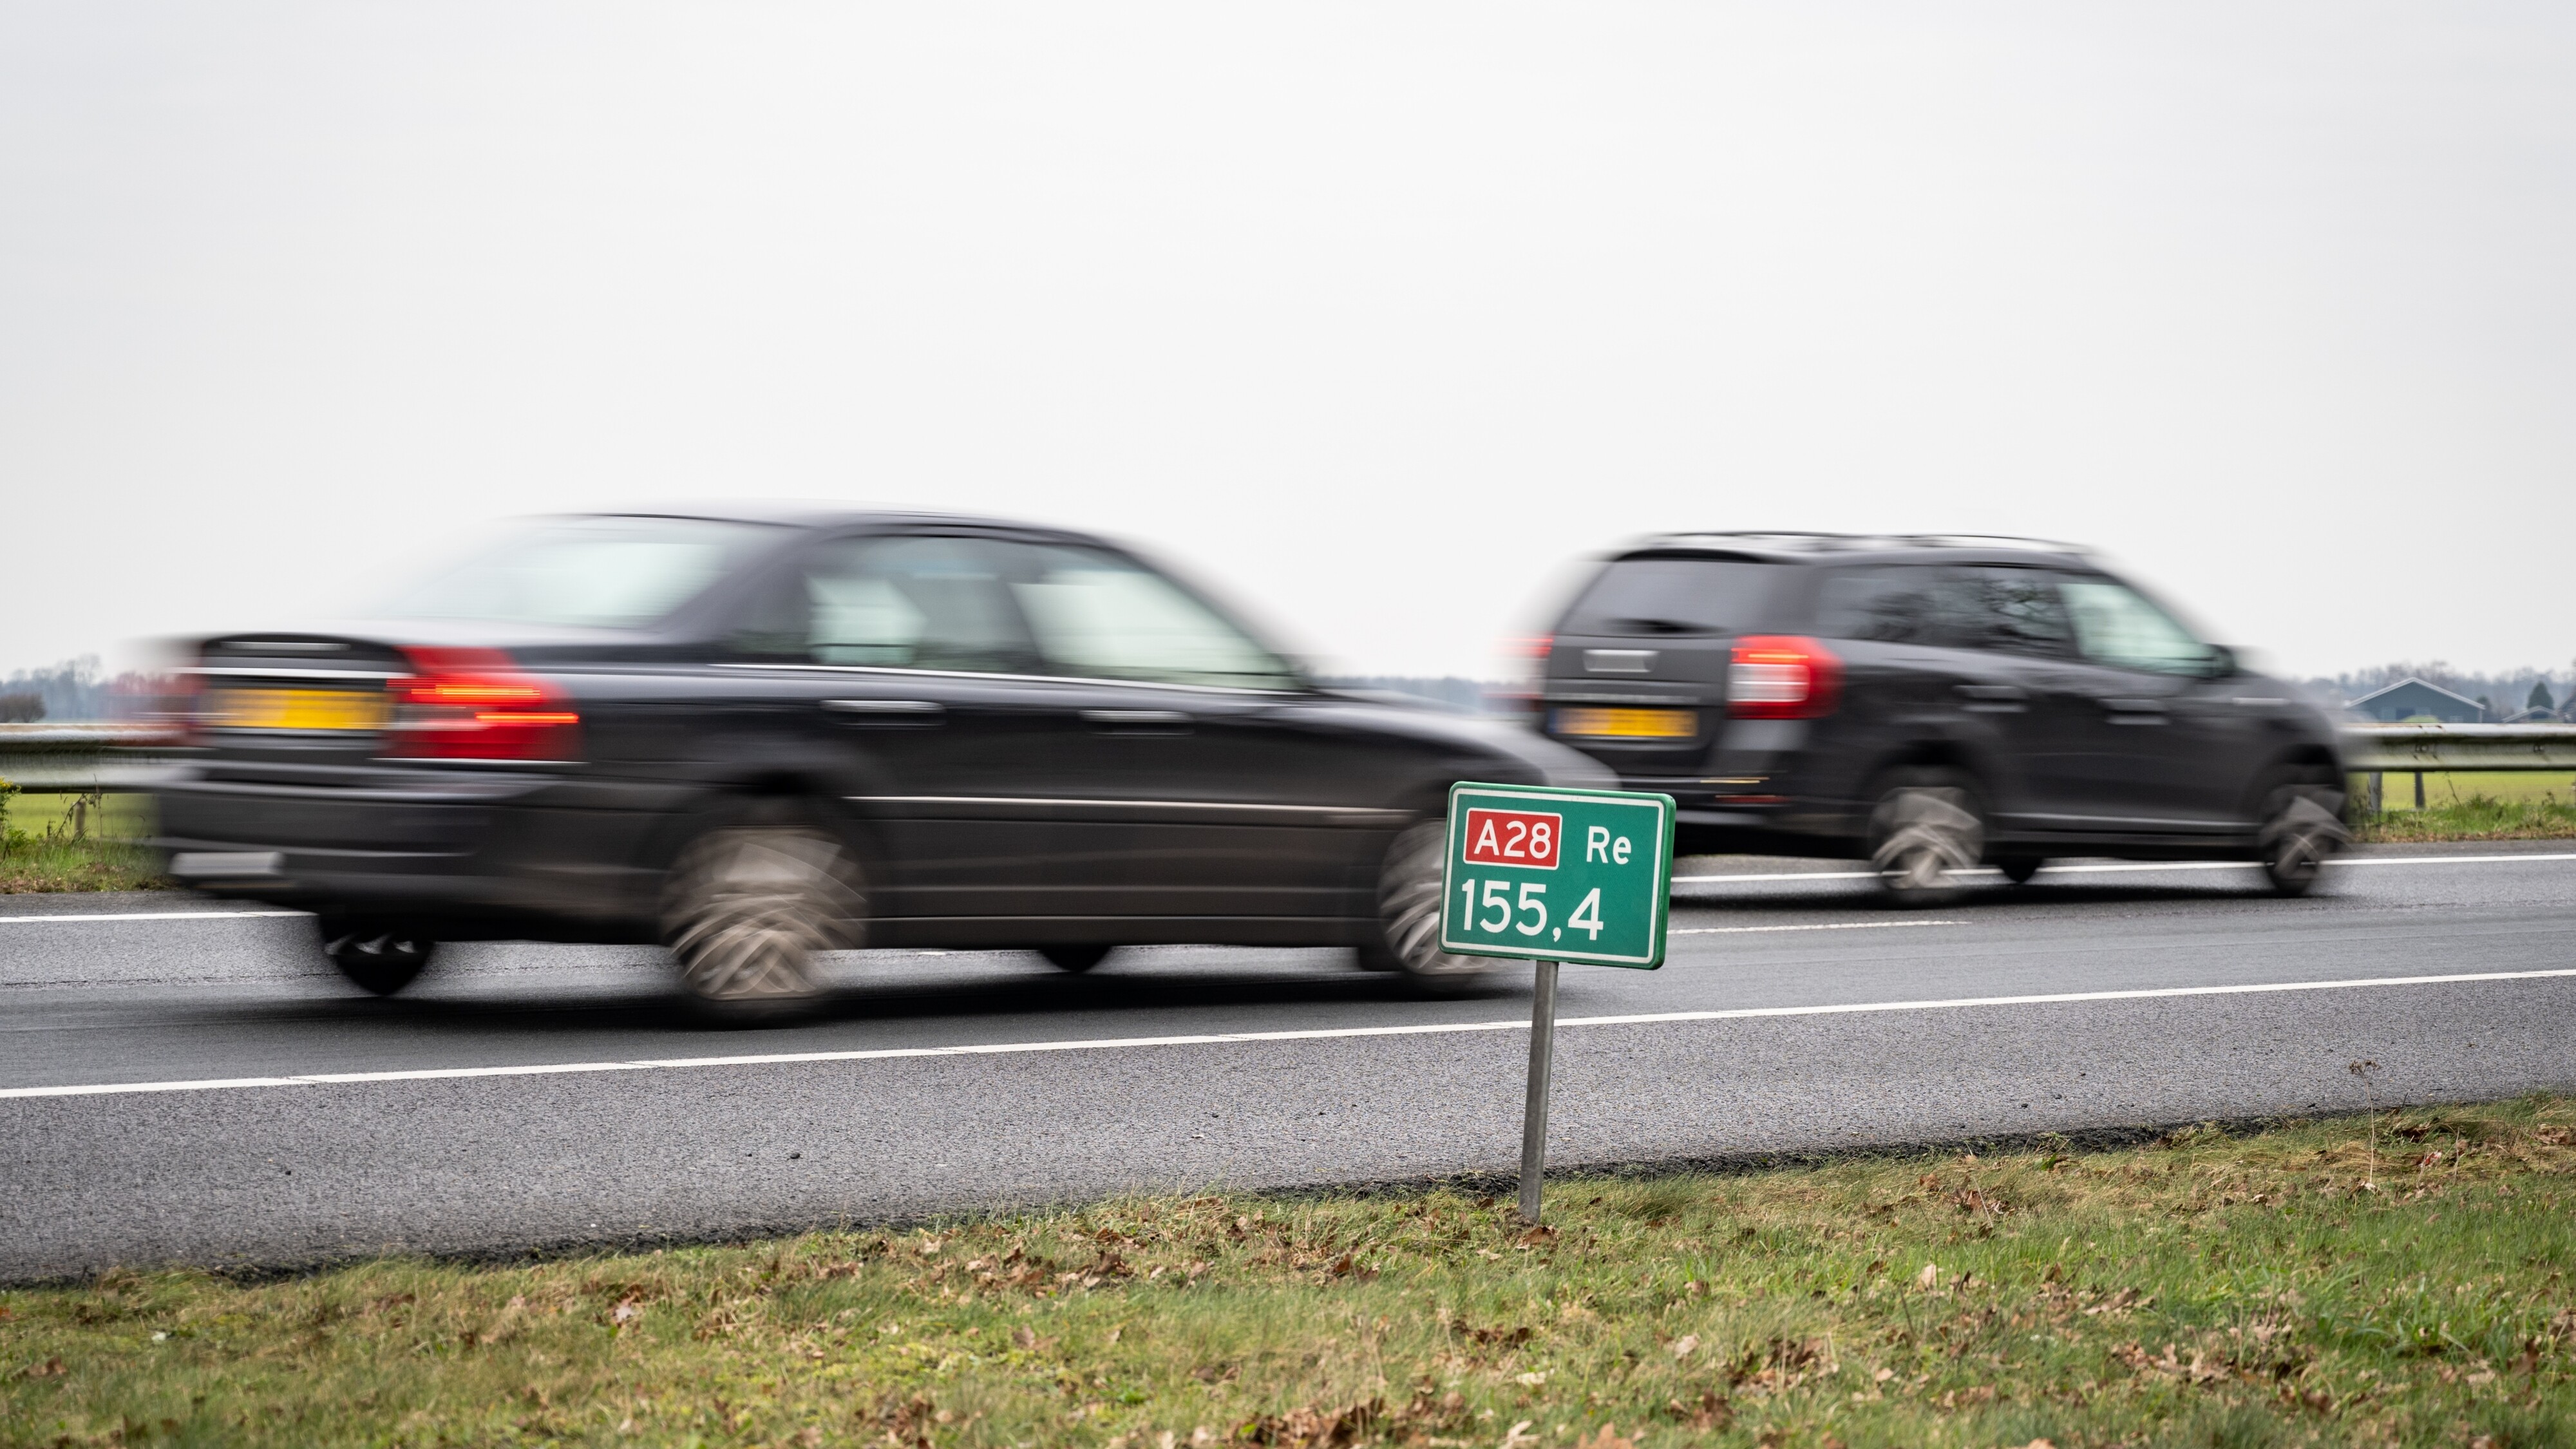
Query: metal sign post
[(1548, 875)]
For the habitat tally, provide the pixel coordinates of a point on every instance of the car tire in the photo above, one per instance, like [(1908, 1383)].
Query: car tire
[(1408, 924), (1075, 958), (379, 957), (2019, 869), (2300, 832), (1926, 832), (747, 909)]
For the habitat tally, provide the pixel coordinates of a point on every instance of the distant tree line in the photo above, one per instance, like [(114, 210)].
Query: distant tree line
[(71, 690)]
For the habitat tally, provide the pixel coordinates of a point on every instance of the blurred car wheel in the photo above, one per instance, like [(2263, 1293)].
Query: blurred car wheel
[(2300, 833), (379, 956), (1408, 900), (749, 906), (1924, 834), (1075, 958)]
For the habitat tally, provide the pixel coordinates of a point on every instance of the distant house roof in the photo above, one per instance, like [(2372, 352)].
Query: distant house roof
[(2410, 697), (2534, 715)]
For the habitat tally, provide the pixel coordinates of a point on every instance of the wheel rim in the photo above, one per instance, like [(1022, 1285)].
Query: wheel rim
[(2298, 835), (1927, 836), (754, 906), (1409, 904)]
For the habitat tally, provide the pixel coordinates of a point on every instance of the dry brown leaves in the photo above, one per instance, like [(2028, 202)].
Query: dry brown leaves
[(2198, 1370), (1777, 1366), (1712, 1411)]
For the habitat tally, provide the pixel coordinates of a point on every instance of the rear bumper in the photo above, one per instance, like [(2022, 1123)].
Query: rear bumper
[(467, 857)]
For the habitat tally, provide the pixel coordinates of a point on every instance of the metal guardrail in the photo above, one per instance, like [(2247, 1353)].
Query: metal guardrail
[(69, 759), (2416, 747)]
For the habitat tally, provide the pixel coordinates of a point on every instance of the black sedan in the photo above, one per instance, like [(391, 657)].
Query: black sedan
[(760, 736)]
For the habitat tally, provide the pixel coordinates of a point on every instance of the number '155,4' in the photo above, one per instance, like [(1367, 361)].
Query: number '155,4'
[(1494, 910)]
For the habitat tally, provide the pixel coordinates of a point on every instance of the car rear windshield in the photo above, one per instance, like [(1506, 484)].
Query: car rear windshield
[(601, 573), (1670, 594)]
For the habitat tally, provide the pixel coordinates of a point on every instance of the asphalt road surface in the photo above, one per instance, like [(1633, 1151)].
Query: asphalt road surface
[(182, 1081)]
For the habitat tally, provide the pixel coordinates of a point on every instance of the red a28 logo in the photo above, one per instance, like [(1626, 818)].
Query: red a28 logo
[(1525, 838)]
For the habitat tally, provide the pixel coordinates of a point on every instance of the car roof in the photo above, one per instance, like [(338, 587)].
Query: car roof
[(1858, 547), (804, 514)]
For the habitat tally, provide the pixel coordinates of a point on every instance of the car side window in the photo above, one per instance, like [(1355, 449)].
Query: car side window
[(899, 602), (2118, 626), (2015, 610), (1893, 604), (1099, 616)]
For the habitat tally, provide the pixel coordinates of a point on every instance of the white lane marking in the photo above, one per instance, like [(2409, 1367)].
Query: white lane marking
[(149, 916), (2148, 865), (2451, 859), (428, 1074), (1832, 926), (1782, 875), (2125, 865)]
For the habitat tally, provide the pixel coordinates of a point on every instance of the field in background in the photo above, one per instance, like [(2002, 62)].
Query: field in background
[(2441, 788), (2397, 1279)]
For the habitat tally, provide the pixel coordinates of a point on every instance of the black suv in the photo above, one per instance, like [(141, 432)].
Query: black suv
[(757, 737), (1933, 704)]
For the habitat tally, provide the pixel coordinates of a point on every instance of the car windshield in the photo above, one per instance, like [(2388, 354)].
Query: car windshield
[(1671, 594), (601, 573)]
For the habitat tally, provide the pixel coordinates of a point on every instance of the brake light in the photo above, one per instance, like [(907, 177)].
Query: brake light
[(1780, 676), (1525, 692), (473, 704)]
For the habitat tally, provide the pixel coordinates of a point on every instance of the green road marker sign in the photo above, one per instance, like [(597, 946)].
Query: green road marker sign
[(1550, 875), (1558, 875)]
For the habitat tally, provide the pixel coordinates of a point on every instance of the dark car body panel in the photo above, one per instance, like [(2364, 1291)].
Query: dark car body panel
[(2070, 756), (990, 809)]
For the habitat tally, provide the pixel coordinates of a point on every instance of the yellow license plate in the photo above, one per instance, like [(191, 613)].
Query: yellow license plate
[(1629, 724), (295, 709)]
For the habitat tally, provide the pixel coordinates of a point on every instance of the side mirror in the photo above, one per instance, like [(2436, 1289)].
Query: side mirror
[(2223, 663)]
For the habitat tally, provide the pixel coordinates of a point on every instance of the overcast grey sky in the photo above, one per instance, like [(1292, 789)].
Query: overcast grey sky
[(1373, 312)]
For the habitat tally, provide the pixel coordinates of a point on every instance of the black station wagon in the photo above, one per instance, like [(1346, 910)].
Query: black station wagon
[(754, 738), (1932, 705)]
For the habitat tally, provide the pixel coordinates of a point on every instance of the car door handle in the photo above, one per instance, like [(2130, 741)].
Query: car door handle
[(1994, 698), (1137, 721), (889, 712), (2125, 711)]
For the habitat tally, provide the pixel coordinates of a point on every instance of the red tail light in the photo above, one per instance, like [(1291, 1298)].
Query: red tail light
[(473, 704), (1782, 676), (1525, 692)]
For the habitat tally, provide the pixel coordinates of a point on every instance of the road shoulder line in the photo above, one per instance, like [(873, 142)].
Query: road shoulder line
[(426, 1074)]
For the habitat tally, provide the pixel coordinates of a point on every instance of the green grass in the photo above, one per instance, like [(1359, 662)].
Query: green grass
[(44, 848), (2399, 1280), (2476, 816)]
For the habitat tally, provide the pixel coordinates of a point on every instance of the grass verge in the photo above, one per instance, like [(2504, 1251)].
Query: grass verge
[(45, 846), (2473, 817), (2397, 1279)]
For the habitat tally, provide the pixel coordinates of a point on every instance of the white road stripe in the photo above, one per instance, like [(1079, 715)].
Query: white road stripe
[(1831, 926), (2123, 865), (2109, 867), (148, 916), (318, 1079)]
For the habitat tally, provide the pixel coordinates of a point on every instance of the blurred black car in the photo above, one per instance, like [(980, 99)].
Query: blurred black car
[(1931, 705), (758, 737)]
